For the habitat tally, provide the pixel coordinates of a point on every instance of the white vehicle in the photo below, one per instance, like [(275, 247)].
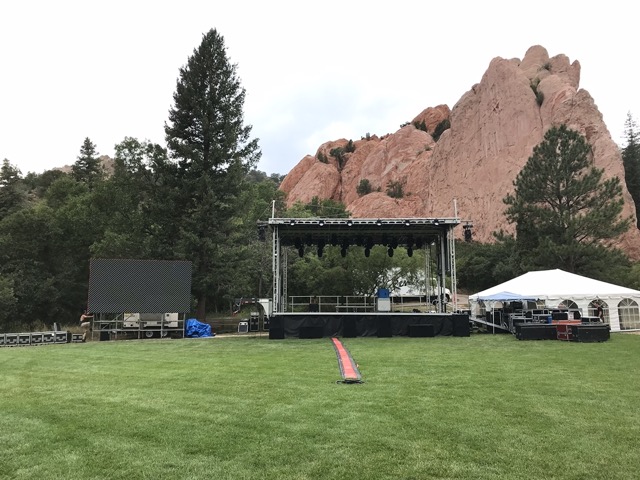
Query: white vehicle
[(410, 291)]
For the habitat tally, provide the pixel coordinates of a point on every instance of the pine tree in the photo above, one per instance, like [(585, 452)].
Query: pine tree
[(12, 192), (206, 135), (561, 206), (631, 161), (87, 167)]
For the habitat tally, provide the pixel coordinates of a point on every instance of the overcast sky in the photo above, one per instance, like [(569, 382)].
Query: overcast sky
[(313, 72)]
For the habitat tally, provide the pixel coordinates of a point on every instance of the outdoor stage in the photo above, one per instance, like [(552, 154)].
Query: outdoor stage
[(346, 316), (383, 324)]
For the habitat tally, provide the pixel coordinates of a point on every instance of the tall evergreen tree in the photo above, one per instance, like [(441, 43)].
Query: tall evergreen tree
[(87, 167), (561, 206), (12, 191), (207, 137), (631, 161)]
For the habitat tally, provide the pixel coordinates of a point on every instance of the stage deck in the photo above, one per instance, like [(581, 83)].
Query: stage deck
[(381, 324)]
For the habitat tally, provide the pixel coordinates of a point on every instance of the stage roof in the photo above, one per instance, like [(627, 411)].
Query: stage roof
[(362, 231)]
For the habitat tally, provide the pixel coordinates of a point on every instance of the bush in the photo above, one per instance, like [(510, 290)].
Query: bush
[(322, 157), (539, 95), (350, 148), (420, 125), (440, 128), (364, 187), (395, 189), (338, 154)]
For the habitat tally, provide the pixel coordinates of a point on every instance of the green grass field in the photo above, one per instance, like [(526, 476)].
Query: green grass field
[(482, 407)]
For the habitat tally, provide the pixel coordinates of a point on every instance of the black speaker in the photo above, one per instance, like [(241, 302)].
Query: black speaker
[(536, 331), (349, 329), (461, 325), (311, 332), (276, 333), (421, 331), (384, 327), (276, 328), (104, 335), (590, 333)]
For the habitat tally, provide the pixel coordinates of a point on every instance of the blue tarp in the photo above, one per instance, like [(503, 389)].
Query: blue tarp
[(198, 329)]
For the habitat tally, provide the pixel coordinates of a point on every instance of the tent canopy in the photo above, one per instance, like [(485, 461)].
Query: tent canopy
[(556, 283), (505, 297)]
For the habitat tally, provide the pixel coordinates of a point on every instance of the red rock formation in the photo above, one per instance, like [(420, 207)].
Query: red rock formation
[(494, 128)]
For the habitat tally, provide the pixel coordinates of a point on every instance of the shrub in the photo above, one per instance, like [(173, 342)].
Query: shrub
[(350, 147), (440, 128), (539, 95), (338, 154), (322, 157), (420, 125), (364, 187), (395, 189)]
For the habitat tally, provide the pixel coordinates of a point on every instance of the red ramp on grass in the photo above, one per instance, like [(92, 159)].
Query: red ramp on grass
[(348, 367)]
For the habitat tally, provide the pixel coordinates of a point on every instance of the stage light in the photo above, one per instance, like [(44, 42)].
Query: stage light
[(407, 223), (349, 223), (321, 223), (390, 252), (292, 222), (468, 234), (436, 222), (379, 222)]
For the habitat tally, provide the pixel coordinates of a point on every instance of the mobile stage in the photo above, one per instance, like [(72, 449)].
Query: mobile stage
[(371, 316)]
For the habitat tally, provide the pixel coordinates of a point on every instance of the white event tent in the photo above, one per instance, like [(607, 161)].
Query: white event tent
[(557, 287)]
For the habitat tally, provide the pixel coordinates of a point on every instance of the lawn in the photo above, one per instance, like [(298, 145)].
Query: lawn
[(481, 407)]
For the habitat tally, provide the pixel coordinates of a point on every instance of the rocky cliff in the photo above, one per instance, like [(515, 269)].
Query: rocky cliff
[(493, 130)]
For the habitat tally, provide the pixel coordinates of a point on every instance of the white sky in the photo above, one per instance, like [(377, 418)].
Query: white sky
[(313, 72)]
